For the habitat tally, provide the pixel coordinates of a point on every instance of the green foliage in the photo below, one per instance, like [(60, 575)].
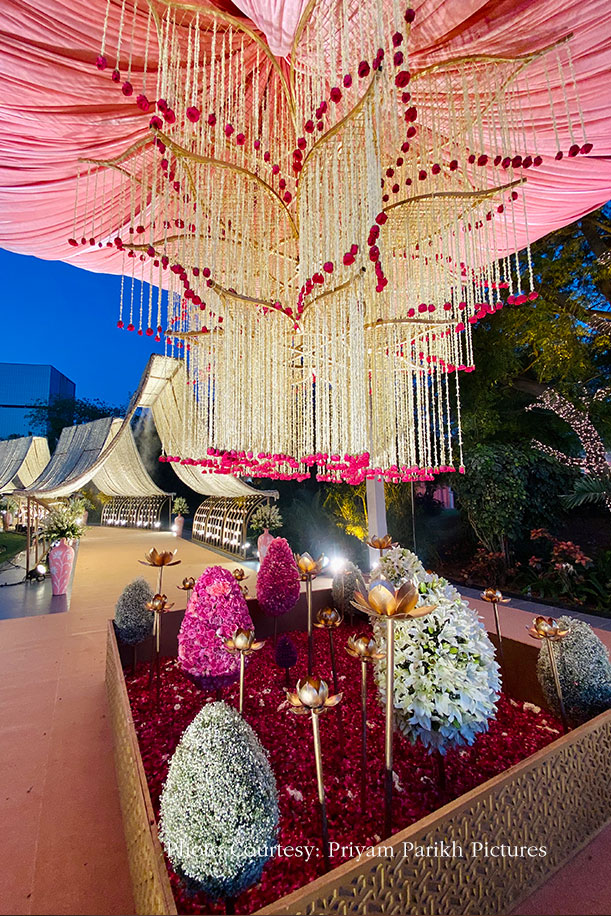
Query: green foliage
[(180, 506), (506, 489), (219, 805), (584, 672), (48, 419), (348, 506), (62, 522), (589, 490), (11, 543), (309, 527), (133, 619)]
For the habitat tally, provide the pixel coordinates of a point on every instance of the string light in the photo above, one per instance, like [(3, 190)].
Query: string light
[(326, 242)]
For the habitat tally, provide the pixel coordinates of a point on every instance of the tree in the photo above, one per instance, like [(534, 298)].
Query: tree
[(49, 418)]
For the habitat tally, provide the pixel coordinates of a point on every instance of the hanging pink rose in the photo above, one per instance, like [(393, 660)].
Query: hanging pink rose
[(398, 58), (143, 103), (116, 76), (409, 15), (335, 94), (155, 123), (328, 267), (193, 114), (402, 79), (169, 116), (127, 88), (229, 130), (347, 81), (101, 62), (363, 69)]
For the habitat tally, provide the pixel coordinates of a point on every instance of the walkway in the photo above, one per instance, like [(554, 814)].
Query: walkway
[(63, 847), (62, 835)]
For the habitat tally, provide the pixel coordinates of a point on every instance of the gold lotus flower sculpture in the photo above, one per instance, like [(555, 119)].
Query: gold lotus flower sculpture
[(363, 647), (381, 543), (155, 557), (547, 628), (243, 641), (493, 594), (159, 603), (188, 583), (382, 600), (307, 566), (327, 618), (312, 695), (238, 574)]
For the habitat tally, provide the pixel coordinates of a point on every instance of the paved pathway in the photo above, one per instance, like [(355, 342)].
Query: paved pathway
[(62, 837)]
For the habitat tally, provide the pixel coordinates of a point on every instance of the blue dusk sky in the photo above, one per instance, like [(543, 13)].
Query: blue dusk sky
[(63, 315)]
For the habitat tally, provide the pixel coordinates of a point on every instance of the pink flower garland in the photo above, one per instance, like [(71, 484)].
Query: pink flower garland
[(278, 581), (215, 609)]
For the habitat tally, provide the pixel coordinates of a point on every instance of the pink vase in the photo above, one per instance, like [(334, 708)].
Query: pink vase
[(178, 525), (263, 543), (61, 558)]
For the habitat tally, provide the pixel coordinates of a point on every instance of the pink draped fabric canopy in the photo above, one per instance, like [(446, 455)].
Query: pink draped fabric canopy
[(57, 108)]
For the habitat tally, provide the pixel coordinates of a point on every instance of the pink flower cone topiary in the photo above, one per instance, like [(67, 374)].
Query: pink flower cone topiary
[(215, 609), (278, 582)]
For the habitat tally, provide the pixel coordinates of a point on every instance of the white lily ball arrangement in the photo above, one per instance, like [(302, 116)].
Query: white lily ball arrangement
[(447, 682)]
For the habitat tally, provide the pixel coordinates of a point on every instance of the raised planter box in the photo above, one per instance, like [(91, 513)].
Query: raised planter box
[(557, 798)]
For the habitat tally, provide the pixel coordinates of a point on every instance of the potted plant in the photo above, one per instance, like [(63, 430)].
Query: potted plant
[(180, 508), (265, 519), (8, 507), (62, 527)]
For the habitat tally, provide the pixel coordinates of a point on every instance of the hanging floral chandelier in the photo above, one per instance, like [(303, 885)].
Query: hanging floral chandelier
[(317, 238)]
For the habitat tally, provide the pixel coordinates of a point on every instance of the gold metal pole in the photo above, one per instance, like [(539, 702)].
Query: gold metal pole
[(363, 734), (310, 634), (242, 657), (499, 635), (390, 666), (28, 539), (552, 661), (321, 791)]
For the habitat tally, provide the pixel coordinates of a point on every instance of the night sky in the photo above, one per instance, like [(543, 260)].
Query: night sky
[(63, 315)]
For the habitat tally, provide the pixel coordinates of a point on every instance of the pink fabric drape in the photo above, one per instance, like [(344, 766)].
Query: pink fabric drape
[(55, 107)]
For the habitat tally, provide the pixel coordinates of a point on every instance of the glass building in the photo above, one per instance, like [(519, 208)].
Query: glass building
[(21, 387)]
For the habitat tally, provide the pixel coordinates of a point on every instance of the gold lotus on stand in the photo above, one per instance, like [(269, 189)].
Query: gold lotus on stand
[(328, 618), (160, 559), (308, 570), (365, 649), (157, 605), (494, 597), (384, 602), (549, 629), (239, 575), (243, 642), (187, 585), (312, 696), (381, 543)]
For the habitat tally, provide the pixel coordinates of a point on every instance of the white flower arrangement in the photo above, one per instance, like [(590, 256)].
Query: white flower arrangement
[(219, 805), (266, 516), (399, 565), (446, 677)]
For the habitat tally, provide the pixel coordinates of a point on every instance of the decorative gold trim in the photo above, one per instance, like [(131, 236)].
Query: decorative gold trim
[(183, 153), (525, 59)]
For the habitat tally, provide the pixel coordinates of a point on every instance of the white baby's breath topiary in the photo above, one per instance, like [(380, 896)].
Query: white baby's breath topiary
[(446, 678), (219, 806), (133, 620)]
